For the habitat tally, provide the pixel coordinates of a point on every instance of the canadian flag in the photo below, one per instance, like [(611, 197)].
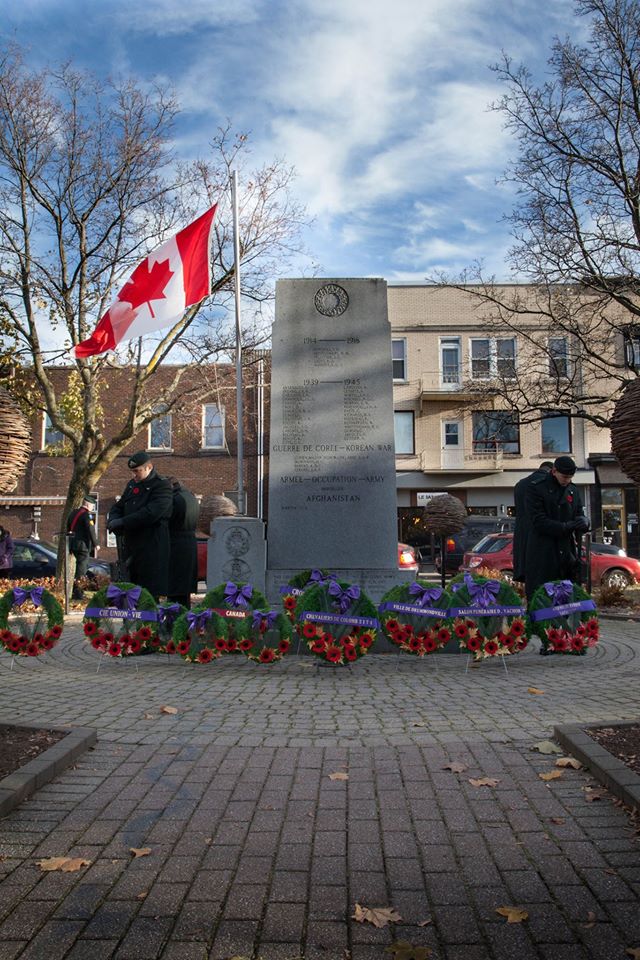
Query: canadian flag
[(162, 286)]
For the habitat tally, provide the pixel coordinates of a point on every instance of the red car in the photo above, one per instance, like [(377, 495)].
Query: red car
[(610, 566), (406, 558)]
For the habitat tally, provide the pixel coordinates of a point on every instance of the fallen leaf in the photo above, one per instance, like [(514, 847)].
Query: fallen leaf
[(611, 871), (534, 690), (64, 864), (170, 710), (633, 952), (591, 794), (569, 762), (455, 766), (546, 746), (424, 923), (591, 920), (483, 781), (378, 916), (551, 775), (513, 914), (338, 776), (558, 820), (140, 851), (418, 723), (142, 895), (403, 950), (149, 716)]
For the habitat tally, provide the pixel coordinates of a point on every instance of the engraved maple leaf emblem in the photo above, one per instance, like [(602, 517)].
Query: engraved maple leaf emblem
[(146, 284)]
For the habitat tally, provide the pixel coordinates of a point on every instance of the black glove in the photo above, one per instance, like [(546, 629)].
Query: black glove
[(581, 525), (115, 524)]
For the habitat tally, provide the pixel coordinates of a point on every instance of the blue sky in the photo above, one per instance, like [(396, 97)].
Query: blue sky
[(381, 107)]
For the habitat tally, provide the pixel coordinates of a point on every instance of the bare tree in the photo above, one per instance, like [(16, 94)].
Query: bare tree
[(88, 185), (576, 226)]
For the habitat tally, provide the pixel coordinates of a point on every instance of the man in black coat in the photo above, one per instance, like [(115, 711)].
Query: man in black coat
[(555, 523), (183, 561), (141, 518), (83, 542), (521, 527)]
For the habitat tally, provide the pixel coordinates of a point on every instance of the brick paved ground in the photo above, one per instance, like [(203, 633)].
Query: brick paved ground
[(257, 852)]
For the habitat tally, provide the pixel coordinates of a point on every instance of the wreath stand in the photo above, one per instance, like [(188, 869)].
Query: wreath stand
[(500, 656)]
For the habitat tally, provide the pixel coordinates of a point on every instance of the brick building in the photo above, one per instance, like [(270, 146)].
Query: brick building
[(195, 442)]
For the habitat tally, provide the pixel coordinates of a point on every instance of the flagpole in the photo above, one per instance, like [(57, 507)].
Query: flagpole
[(239, 398)]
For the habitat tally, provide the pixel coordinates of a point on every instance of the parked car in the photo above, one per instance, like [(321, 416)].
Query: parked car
[(33, 559), (474, 529), (610, 565), (407, 559)]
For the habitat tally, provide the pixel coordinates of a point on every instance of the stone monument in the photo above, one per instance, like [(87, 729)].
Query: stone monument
[(332, 488)]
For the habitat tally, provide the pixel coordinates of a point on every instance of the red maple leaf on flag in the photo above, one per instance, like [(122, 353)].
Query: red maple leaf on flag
[(146, 285)]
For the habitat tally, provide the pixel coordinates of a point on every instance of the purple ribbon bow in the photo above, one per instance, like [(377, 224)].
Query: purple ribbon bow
[(33, 593), (343, 598), (123, 599), (425, 595), (258, 616), (238, 596), (482, 594), (318, 578), (197, 620), (560, 592), (169, 613)]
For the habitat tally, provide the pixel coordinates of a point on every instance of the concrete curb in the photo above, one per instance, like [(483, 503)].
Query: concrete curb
[(612, 773), (22, 783)]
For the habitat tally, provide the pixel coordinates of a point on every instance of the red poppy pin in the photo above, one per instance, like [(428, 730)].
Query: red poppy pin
[(569, 498), (136, 489)]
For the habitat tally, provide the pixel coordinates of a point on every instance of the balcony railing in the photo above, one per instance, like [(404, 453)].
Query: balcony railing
[(461, 460)]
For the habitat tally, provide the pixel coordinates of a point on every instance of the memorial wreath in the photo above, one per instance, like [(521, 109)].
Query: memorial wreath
[(199, 636), (121, 620), (337, 621), (564, 617), (162, 640), (413, 617), (27, 635), (235, 603), (293, 590), (486, 617)]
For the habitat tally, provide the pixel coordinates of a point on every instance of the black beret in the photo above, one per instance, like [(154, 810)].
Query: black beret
[(565, 465), (138, 459)]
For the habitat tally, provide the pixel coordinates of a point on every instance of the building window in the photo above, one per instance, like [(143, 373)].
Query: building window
[(555, 429), (558, 357), (403, 429), (495, 430), (212, 427), (160, 431), (450, 361), (50, 436), (399, 359), (451, 433), (493, 358), (632, 347)]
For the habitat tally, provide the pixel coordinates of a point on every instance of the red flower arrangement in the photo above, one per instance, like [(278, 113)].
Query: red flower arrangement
[(199, 636), (564, 617), (487, 617), (121, 620), (37, 621), (412, 617), (337, 621), (292, 592)]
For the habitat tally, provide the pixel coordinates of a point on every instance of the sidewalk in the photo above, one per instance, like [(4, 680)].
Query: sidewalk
[(256, 852)]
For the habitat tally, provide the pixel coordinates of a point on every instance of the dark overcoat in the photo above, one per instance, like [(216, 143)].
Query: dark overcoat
[(521, 528), (145, 508), (551, 550), (183, 562), (83, 532)]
